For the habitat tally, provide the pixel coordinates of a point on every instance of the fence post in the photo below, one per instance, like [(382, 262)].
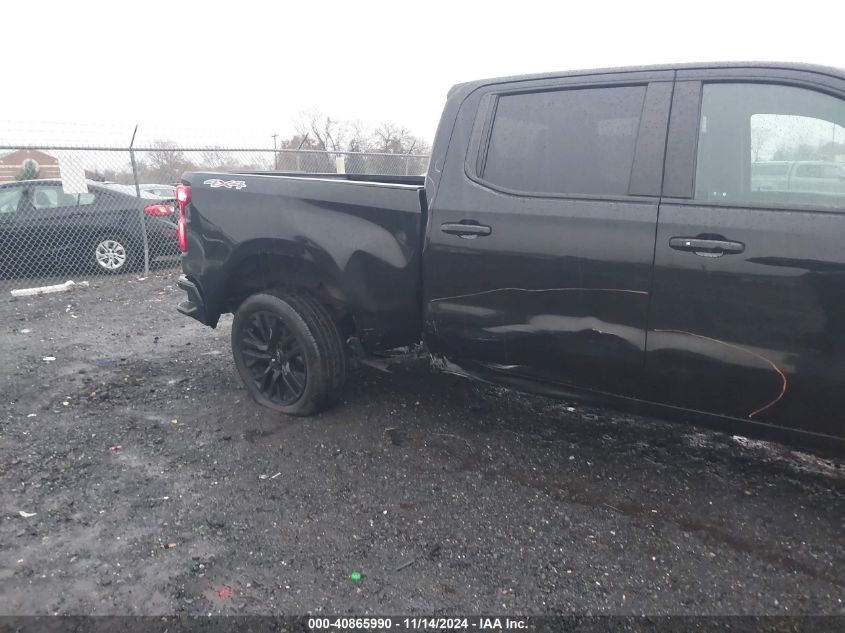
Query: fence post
[(140, 209)]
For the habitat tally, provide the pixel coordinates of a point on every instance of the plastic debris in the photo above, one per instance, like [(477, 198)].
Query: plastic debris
[(225, 592), (169, 545), (26, 330), (32, 415), (43, 290), (116, 448), (355, 576), (26, 514), (276, 475), (104, 362), (49, 359)]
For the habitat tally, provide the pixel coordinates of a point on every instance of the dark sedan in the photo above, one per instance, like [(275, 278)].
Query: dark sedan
[(45, 230)]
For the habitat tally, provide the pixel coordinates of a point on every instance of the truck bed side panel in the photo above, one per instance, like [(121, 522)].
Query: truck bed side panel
[(364, 239)]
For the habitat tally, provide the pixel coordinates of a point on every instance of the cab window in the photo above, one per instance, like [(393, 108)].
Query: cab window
[(771, 144), (574, 141)]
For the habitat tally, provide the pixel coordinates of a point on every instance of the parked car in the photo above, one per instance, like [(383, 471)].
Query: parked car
[(590, 234), (163, 191), (43, 228), (160, 191), (803, 177)]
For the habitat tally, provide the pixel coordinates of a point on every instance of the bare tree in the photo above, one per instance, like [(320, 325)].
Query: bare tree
[(164, 163), (359, 137), (326, 133), (391, 138), (218, 159)]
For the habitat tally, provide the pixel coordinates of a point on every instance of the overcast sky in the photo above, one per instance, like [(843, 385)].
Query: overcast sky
[(248, 68)]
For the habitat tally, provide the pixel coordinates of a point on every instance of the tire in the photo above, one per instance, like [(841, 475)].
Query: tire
[(113, 253), (289, 353)]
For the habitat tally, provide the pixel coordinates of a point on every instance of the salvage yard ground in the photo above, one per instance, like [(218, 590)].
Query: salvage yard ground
[(136, 477)]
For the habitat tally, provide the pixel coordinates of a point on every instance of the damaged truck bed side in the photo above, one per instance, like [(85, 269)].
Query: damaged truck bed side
[(606, 235)]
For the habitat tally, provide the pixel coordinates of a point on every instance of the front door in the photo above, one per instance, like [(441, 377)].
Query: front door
[(541, 238), (748, 313)]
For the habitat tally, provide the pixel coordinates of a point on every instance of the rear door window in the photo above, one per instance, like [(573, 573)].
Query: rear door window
[(574, 141), (46, 197), (52, 198)]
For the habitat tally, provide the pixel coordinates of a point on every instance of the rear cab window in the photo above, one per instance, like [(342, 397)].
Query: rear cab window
[(578, 141)]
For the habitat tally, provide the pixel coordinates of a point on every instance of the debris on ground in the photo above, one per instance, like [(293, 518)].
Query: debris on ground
[(225, 592), (406, 564), (43, 290), (26, 514)]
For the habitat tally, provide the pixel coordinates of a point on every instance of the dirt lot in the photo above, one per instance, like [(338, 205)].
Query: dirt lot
[(157, 487)]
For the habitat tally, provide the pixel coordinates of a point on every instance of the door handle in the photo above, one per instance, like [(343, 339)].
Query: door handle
[(706, 247), (467, 230)]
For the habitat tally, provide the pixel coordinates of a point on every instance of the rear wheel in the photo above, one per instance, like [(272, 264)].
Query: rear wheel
[(288, 352)]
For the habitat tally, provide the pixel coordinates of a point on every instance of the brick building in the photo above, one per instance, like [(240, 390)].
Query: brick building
[(12, 163)]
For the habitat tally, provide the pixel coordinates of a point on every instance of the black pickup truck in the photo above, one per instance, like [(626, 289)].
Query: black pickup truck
[(602, 235)]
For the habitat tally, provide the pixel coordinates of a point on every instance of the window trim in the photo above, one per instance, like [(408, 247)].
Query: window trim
[(685, 124), (480, 136)]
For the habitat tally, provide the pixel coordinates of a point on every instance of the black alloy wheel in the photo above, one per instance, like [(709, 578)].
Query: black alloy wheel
[(275, 358), (288, 352)]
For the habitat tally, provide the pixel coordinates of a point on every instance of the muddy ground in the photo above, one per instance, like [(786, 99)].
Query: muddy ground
[(156, 486)]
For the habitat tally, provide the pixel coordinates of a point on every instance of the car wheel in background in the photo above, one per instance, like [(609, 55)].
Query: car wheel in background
[(113, 254), (289, 353)]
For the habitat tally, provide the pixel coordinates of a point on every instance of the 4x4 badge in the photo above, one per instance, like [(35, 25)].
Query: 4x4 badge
[(214, 183)]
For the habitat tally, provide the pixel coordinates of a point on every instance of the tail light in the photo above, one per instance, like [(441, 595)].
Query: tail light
[(159, 210), (183, 199)]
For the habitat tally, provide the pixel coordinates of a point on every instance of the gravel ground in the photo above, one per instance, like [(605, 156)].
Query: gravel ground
[(156, 486)]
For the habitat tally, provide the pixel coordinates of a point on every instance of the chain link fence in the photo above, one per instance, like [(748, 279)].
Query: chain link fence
[(74, 211)]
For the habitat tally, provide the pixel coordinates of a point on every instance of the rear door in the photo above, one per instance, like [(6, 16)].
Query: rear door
[(748, 312), (541, 236)]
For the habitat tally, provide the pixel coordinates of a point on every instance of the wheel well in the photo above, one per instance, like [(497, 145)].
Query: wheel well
[(268, 271)]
